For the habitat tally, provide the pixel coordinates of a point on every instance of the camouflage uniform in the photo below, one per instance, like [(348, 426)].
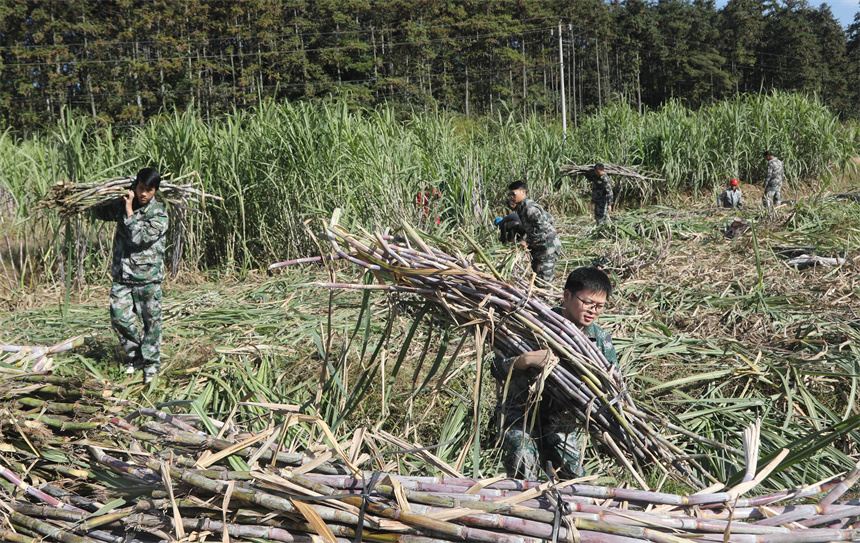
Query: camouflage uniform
[(601, 197), (730, 198), (773, 183), (540, 236), (137, 270), (531, 433)]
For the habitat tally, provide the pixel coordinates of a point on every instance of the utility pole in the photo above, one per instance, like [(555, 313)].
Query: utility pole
[(561, 78)]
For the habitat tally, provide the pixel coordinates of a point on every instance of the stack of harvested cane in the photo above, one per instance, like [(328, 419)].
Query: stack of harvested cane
[(77, 466), (73, 198), (583, 381)]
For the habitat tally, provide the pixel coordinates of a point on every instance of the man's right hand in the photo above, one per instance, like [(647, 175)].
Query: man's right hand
[(534, 359), (129, 200)]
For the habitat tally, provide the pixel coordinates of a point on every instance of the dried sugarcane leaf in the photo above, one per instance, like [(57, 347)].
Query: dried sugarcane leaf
[(316, 521)]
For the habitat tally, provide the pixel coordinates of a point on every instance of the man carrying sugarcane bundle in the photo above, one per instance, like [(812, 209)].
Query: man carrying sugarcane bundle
[(540, 236), (532, 433), (773, 179), (601, 193), (137, 270)]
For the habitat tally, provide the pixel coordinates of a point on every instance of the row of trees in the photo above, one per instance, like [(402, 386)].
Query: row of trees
[(124, 61)]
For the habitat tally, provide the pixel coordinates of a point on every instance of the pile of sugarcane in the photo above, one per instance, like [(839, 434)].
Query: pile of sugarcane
[(521, 320), (78, 466), (70, 198)]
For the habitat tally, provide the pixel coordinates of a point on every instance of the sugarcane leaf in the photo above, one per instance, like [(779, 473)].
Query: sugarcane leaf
[(89, 365), (693, 379), (407, 341), (437, 362), (804, 447), (237, 463), (107, 508)]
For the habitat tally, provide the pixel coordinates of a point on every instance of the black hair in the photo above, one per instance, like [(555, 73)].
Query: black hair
[(149, 177), (589, 278), (767, 153), (517, 185), (599, 166)]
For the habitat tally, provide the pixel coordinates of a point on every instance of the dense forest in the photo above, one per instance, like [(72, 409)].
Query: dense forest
[(122, 61)]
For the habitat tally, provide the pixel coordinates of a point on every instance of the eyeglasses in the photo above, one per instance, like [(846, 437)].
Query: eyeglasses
[(591, 306)]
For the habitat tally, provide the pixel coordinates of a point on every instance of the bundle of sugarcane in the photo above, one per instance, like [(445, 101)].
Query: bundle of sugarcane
[(612, 169), (73, 198), (82, 472), (39, 355), (521, 321)]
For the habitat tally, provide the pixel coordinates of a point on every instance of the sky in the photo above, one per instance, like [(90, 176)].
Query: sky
[(843, 10)]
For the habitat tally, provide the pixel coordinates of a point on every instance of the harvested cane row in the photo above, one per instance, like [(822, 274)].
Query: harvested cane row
[(521, 320), (70, 199), (81, 467)]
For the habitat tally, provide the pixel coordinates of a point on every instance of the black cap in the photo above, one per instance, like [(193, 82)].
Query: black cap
[(599, 166)]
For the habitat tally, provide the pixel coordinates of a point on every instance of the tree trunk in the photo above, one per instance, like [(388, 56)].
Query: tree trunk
[(467, 88), (523, 45), (597, 60)]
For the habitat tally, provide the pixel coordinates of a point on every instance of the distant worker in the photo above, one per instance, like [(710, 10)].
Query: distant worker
[(601, 193), (772, 181), (540, 236), (731, 197), (427, 202)]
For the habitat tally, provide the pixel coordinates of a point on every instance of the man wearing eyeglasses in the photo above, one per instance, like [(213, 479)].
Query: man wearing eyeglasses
[(527, 441)]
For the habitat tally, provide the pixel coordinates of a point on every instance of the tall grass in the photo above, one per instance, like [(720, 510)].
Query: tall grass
[(286, 163)]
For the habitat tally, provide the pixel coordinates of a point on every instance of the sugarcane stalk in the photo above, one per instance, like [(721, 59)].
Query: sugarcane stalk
[(33, 491), (841, 488), (64, 425), (830, 516), (59, 407), (14, 537), (48, 530), (269, 501), (166, 417), (123, 467), (80, 518)]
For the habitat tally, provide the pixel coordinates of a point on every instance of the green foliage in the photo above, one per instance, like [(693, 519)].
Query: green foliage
[(122, 63), (288, 163)]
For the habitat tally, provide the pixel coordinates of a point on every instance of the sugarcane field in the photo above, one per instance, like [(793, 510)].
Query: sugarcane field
[(346, 335)]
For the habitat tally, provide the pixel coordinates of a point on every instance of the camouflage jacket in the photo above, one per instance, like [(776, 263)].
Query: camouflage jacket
[(138, 244), (730, 198), (511, 407), (775, 173), (537, 223), (601, 189)]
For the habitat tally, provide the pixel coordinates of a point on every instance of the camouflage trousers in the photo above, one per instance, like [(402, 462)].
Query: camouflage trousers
[(526, 451), (128, 304), (543, 260), (772, 195), (600, 209)]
